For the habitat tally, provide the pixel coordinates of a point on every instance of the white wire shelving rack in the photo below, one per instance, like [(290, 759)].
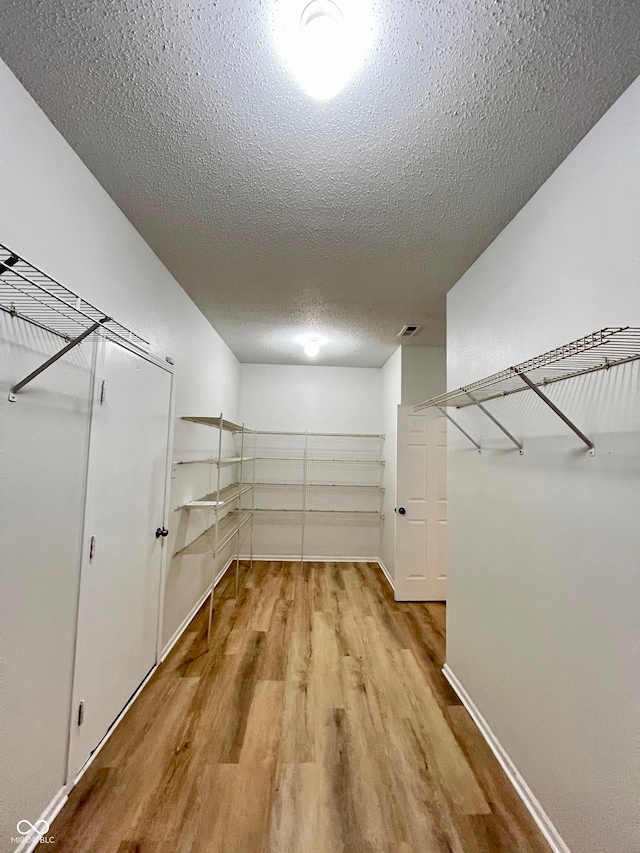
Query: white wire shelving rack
[(228, 521), (600, 350), (28, 293), (324, 485), (328, 488)]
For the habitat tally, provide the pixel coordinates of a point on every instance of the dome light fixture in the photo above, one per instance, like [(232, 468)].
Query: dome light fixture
[(323, 42), (311, 343), (312, 347)]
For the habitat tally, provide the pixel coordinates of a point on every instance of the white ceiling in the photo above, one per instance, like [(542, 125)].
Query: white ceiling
[(282, 215)]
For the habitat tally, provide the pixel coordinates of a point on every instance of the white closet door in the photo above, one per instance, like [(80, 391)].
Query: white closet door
[(121, 571), (421, 494)]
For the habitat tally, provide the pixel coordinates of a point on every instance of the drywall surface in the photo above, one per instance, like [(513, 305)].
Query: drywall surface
[(54, 213), (318, 399), (544, 549), (424, 373), (43, 445), (314, 399), (391, 374)]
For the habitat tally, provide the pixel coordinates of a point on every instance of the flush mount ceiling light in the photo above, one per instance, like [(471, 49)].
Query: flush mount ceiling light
[(311, 344), (323, 42), (312, 348)]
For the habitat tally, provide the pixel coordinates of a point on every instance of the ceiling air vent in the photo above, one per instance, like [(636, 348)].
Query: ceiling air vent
[(408, 331)]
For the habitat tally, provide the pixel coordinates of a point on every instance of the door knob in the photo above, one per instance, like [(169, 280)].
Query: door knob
[(161, 531), (401, 510)]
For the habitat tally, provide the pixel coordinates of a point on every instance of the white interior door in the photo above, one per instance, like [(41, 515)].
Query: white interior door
[(121, 568), (421, 505)]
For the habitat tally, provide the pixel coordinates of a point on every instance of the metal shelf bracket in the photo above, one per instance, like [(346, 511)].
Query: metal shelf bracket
[(73, 343), (457, 425), (561, 415), (491, 417)]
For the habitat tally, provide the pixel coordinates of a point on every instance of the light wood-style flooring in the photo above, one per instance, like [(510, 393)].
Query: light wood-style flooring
[(318, 722)]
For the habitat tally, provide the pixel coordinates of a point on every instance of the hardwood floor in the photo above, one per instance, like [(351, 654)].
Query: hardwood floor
[(318, 721)]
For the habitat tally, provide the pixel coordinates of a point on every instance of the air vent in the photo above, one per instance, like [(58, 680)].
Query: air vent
[(408, 331)]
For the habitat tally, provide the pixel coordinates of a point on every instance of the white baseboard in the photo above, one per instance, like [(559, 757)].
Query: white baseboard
[(522, 789), (185, 624), (293, 558), (48, 816), (385, 572), (188, 619)]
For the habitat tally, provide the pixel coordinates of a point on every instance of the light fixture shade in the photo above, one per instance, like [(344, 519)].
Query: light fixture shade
[(312, 348), (323, 42)]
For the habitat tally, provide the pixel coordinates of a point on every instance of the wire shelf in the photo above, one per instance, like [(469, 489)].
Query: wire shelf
[(206, 543), (319, 434), (229, 426), (598, 351), (227, 495), (318, 516), (219, 463), (29, 293), (330, 486), (319, 460)]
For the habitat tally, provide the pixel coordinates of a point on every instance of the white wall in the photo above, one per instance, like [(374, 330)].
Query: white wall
[(315, 399), (391, 375), (318, 399), (424, 373), (54, 213), (544, 572)]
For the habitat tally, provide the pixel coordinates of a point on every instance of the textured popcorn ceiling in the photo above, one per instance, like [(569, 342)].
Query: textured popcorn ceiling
[(281, 215)]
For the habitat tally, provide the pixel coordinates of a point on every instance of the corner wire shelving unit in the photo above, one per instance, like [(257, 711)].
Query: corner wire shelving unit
[(28, 293), (228, 525), (303, 466), (601, 350)]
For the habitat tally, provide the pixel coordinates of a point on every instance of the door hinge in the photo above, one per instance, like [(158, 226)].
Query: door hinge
[(92, 548), (81, 713), (103, 391)]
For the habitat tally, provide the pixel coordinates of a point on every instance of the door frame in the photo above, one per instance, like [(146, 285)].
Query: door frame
[(99, 351)]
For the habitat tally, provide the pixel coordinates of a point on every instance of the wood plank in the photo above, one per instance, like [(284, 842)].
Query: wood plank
[(297, 744), (262, 735), (277, 643), (260, 618), (302, 819), (325, 683)]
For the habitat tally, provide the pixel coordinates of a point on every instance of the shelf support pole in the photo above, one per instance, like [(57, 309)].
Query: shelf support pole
[(215, 547), (253, 499), (457, 425), (239, 511), (511, 438), (54, 358), (561, 415), (304, 496)]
